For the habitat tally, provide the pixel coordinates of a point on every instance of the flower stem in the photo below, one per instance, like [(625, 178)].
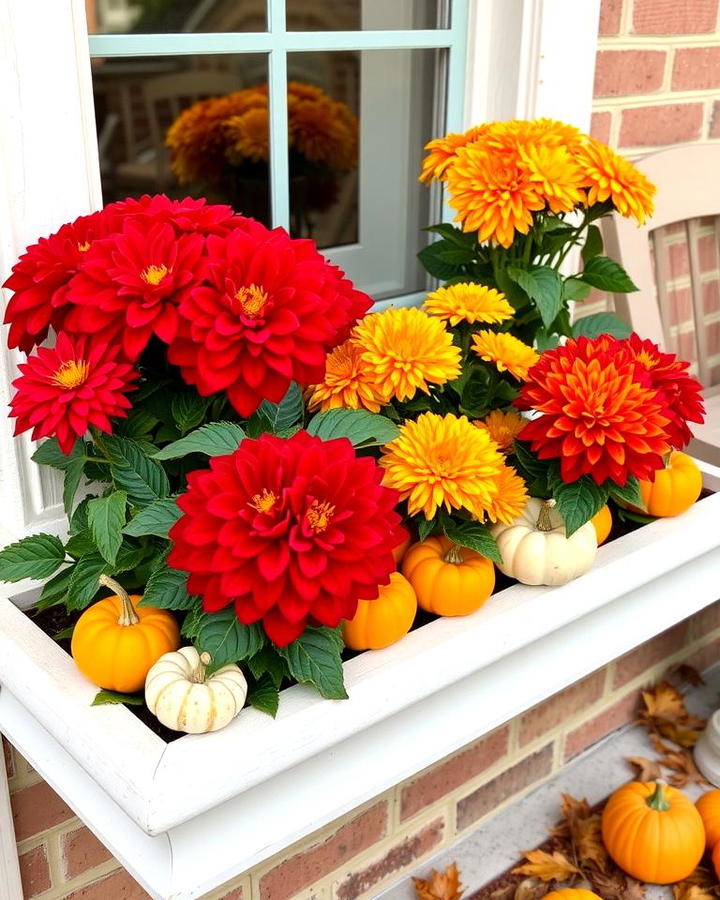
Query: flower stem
[(128, 616)]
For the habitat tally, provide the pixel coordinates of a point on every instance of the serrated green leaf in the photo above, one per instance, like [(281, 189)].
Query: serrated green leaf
[(360, 427), (474, 535), (64, 635), (142, 478), (84, 580), (80, 544), (577, 502), (138, 424), (593, 244), (226, 639), (36, 556), (454, 235), (192, 622), (545, 341), (268, 661), (167, 589), (103, 698), (425, 527), (314, 658), (129, 557), (73, 476), (601, 323), (431, 259), (50, 454), (188, 410), (605, 274), (627, 515), (79, 519), (106, 517), (288, 412), (156, 518), (544, 285), (575, 290), (213, 439), (264, 696), (527, 460), (55, 590), (628, 493)]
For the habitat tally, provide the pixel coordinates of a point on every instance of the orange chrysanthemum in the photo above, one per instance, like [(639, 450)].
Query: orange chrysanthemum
[(506, 352), (407, 351), (349, 382), (511, 498), (443, 461), (248, 136), (611, 176), (503, 427), (468, 303), (558, 177), (443, 153)]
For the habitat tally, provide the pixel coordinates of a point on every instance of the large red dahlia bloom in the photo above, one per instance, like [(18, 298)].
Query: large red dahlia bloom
[(268, 312), (64, 390), (598, 417), (189, 214), (291, 532), (131, 284)]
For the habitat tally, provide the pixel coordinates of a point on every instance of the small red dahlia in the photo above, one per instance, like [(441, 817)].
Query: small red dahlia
[(189, 214), (598, 417), (269, 310), (64, 390), (291, 531)]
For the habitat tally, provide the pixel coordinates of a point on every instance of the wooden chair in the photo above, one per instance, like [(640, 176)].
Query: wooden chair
[(688, 180)]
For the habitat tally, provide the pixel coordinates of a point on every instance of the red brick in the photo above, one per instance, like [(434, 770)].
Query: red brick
[(560, 707), (705, 657), (650, 653), (621, 72), (620, 713), (673, 17), (301, 870), (118, 886), (610, 14), (35, 872), (452, 772), (711, 296), (36, 808), (715, 120), (236, 894), (82, 851), (680, 305), (600, 126), (707, 253), (513, 780), (706, 620), (399, 857), (696, 68), (678, 259), (671, 123), (9, 760)]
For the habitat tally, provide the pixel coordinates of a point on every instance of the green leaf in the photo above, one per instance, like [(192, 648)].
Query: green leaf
[(73, 476), (627, 515), (79, 519), (288, 412), (50, 454), (192, 623), (226, 639), (314, 658), (265, 696), (36, 556), (103, 698), (474, 535), (575, 290), (268, 662), (360, 427), (84, 581), (601, 323), (628, 493), (106, 517), (80, 544), (156, 518), (593, 244), (64, 635), (143, 479), (425, 527), (578, 502), (454, 235), (605, 274), (55, 590), (167, 589), (545, 341), (213, 439), (188, 410), (527, 460), (139, 423), (544, 285), (431, 258), (516, 296), (129, 557)]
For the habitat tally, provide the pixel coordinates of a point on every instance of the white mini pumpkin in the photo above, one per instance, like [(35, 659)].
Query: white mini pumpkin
[(536, 550), (178, 692)]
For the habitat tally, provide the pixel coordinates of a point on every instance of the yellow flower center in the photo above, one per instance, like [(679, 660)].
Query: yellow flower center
[(263, 502), (252, 300), (645, 360), (72, 374), (154, 274), (84, 246), (319, 515)]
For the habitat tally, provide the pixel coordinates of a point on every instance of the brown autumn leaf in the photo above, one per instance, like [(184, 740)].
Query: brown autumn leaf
[(635, 890), (686, 891), (613, 885), (704, 877), (665, 713), (680, 762), (440, 885), (688, 674), (547, 866), (645, 769), (588, 843), (530, 889)]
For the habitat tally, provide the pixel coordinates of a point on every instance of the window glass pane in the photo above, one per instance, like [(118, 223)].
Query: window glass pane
[(174, 16), (212, 110), (367, 15)]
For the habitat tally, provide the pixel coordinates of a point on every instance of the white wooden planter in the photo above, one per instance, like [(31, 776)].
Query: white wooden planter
[(187, 816)]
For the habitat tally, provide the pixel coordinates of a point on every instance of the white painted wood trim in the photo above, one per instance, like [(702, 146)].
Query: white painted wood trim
[(10, 883)]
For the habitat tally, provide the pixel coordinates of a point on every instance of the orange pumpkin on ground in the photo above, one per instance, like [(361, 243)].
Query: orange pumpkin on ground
[(399, 551), (674, 489), (380, 622), (602, 521), (116, 642), (572, 894), (709, 808), (653, 832), (449, 580)]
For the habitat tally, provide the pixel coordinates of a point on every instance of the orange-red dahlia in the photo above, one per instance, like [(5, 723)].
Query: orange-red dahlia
[(349, 382), (611, 176), (599, 417), (291, 532), (64, 390)]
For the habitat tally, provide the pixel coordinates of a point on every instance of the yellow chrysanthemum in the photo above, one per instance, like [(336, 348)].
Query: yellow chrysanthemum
[(407, 350), (443, 461), (507, 352), (503, 427), (609, 175), (349, 382), (468, 303), (443, 152), (511, 498), (248, 136)]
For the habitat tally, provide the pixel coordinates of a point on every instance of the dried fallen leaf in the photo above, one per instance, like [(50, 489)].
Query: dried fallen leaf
[(688, 674), (634, 890), (680, 762), (704, 878), (613, 885), (645, 769), (687, 891), (530, 889), (440, 885), (547, 866), (665, 713), (588, 843)]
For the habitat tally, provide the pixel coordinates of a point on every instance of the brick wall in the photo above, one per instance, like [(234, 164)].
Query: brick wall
[(374, 845)]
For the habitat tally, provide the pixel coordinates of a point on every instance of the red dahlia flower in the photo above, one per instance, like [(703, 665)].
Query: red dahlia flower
[(268, 312), (131, 284), (599, 418), (290, 531), (64, 390), (188, 214)]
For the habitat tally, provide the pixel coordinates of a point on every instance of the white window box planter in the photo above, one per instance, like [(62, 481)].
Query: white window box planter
[(185, 817)]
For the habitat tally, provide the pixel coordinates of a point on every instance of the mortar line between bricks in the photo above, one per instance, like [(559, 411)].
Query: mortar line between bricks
[(633, 41), (707, 117), (657, 98), (668, 67), (626, 14)]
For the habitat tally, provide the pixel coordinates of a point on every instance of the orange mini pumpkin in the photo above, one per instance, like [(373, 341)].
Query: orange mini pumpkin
[(709, 808), (653, 832), (399, 551), (449, 580), (115, 641), (602, 522), (380, 622), (572, 894), (674, 489)]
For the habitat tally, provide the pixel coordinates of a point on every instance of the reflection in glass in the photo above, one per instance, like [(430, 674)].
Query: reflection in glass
[(366, 15), (174, 16)]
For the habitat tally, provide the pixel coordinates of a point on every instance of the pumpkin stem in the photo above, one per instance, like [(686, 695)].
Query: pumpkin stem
[(198, 674), (657, 800), (666, 459), (128, 616), (454, 555), (543, 520)]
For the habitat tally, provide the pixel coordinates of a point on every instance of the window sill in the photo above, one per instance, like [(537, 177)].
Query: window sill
[(187, 816)]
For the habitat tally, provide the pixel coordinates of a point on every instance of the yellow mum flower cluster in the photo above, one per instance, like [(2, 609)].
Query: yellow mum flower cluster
[(498, 175), (234, 129)]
